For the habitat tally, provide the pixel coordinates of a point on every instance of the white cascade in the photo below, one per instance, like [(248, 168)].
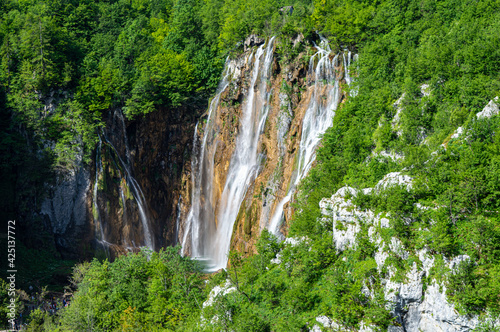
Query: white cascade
[(317, 119), (201, 213), (210, 234), (99, 231), (177, 220), (136, 192), (347, 64)]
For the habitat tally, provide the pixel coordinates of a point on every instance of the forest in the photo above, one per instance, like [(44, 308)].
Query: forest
[(140, 55)]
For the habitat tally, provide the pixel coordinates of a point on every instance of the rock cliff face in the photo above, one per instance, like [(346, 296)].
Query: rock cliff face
[(66, 211), (126, 198), (419, 303)]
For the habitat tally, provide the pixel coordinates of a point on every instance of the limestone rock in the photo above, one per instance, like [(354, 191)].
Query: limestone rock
[(489, 110), (413, 308), (425, 89), (253, 40), (66, 209), (326, 322), (345, 219), (218, 291), (391, 155), (458, 132), (394, 179)]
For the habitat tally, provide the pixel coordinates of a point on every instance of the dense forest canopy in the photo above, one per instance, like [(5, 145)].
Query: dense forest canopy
[(88, 57), (92, 56)]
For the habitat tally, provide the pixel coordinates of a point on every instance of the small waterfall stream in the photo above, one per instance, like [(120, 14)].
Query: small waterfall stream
[(317, 119), (127, 184), (177, 220), (136, 193), (210, 233), (99, 231)]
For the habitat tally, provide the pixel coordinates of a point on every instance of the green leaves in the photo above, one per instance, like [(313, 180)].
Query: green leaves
[(159, 290), (166, 78)]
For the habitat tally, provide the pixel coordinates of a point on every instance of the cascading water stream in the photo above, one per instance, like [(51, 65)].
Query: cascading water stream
[(202, 208), (127, 183), (177, 220), (211, 234), (97, 217), (347, 64), (136, 193), (244, 164), (317, 119)]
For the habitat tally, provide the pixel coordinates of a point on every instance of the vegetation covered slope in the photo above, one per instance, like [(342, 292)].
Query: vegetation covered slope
[(128, 54), (66, 64)]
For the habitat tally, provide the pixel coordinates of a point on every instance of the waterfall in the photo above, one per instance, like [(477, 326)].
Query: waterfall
[(207, 230), (317, 119), (210, 233), (127, 184), (136, 192), (177, 220), (202, 174), (347, 64), (101, 239)]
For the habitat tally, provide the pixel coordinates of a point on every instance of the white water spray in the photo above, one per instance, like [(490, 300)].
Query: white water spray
[(202, 175)]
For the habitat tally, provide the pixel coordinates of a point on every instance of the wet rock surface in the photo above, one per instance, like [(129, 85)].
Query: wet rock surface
[(66, 210)]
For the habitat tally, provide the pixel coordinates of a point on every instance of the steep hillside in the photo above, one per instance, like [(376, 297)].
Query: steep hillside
[(321, 165)]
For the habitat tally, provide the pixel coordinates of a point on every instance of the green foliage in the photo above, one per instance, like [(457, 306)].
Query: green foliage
[(64, 65), (401, 47), (348, 21), (475, 289), (84, 58), (165, 79), (5, 301), (40, 321), (158, 290), (286, 286)]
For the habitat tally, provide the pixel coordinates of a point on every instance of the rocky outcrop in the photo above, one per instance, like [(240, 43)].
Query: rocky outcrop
[(84, 200), (489, 110), (161, 149), (139, 174), (416, 307), (66, 211), (253, 40)]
